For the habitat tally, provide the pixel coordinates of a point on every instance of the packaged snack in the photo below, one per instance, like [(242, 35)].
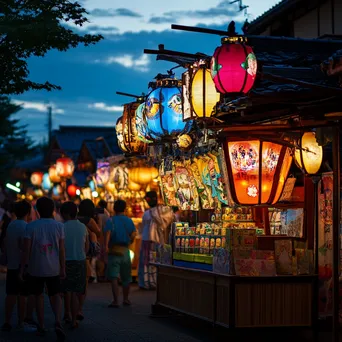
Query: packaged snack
[(202, 245), (178, 244), (218, 242), (198, 229), (197, 245), (192, 245), (223, 231), (186, 245), (212, 244), (202, 229), (223, 242), (206, 245), (182, 245)]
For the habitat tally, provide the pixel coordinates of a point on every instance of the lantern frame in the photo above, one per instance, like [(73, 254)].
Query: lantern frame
[(300, 152), (187, 94), (274, 190)]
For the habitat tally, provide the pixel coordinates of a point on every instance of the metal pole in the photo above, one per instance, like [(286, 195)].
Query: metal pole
[(336, 232)]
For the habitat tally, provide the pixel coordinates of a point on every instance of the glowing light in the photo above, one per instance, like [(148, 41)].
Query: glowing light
[(17, 184), (12, 187), (131, 254), (95, 194), (78, 192)]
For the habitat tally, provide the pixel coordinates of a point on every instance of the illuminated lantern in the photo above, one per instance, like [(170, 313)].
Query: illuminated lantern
[(102, 174), (57, 190), (37, 178), (164, 114), (54, 177), (65, 167), (72, 190), (257, 170), (127, 133), (233, 66), (141, 124), (184, 141), (133, 186), (199, 96), (310, 155), (142, 175), (46, 185)]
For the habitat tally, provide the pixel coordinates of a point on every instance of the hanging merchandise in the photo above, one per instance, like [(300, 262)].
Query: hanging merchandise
[(102, 176), (233, 66), (164, 110), (65, 167), (168, 189), (141, 124), (37, 178), (186, 194)]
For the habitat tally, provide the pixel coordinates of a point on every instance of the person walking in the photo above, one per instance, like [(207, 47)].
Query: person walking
[(76, 246), (154, 232), (44, 262), (119, 233), (16, 291)]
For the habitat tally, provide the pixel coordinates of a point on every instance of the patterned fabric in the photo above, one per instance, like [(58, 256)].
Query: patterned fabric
[(147, 274), (76, 276)]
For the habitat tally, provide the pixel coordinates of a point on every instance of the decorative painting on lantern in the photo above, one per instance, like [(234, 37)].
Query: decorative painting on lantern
[(102, 173), (253, 167), (141, 124), (233, 66), (37, 178), (164, 112), (65, 167), (120, 135)]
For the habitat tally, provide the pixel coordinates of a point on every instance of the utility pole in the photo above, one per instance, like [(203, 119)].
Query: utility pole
[(49, 108)]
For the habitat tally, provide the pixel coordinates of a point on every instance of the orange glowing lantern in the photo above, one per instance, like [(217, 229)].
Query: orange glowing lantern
[(72, 190), (258, 170), (142, 175), (37, 178), (65, 167), (54, 177)]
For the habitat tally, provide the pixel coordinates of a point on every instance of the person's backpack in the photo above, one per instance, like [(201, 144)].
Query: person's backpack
[(94, 248)]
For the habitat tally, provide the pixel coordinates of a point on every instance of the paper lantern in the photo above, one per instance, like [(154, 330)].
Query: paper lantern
[(233, 66), (309, 156), (133, 186), (257, 170), (142, 175), (200, 96), (65, 167), (72, 190), (141, 124), (57, 190), (164, 115), (102, 174), (54, 177), (37, 178), (46, 184)]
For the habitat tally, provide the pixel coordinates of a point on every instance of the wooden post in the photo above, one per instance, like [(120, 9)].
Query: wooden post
[(336, 232)]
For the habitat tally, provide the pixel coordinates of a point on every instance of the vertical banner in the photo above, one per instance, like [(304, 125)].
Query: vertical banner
[(186, 83)]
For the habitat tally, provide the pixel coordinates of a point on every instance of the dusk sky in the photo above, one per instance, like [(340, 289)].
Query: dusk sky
[(91, 76)]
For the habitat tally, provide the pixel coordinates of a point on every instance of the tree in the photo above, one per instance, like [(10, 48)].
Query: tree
[(31, 28), (14, 143)]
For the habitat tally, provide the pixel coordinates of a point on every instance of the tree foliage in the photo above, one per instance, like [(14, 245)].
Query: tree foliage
[(31, 28)]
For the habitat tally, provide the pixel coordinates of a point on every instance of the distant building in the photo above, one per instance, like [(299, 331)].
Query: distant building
[(300, 19)]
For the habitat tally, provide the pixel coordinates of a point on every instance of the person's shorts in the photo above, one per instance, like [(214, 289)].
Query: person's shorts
[(37, 285), (120, 266), (14, 286)]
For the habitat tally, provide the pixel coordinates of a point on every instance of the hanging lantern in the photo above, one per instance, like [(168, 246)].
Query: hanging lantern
[(102, 174), (309, 156), (164, 115), (199, 96), (257, 170), (65, 167), (141, 124), (46, 184), (72, 190), (54, 177), (57, 190), (143, 175), (37, 178), (233, 66), (133, 186)]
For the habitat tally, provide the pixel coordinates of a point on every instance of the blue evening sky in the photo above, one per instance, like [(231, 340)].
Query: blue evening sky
[(91, 76)]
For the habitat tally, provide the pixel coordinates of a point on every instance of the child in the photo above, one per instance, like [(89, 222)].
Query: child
[(76, 245), (44, 258), (15, 289)]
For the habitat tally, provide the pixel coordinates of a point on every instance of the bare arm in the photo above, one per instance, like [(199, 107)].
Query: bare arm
[(93, 227), (106, 240)]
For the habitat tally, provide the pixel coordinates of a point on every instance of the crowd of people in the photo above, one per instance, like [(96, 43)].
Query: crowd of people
[(59, 249)]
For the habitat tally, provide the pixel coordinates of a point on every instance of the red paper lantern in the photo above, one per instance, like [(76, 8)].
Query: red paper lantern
[(37, 178), (72, 190), (65, 167), (233, 66)]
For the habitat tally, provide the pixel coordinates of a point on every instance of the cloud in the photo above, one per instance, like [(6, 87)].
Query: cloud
[(95, 29), (38, 106), (162, 20), (104, 107), (111, 12), (129, 61)]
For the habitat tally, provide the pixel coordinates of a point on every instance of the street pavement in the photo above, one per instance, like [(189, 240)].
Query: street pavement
[(135, 323)]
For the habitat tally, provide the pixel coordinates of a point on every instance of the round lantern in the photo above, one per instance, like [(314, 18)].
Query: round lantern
[(143, 175), (46, 184), (203, 94), (54, 177), (233, 66), (133, 186), (37, 178), (72, 190), (57, 190), (65, 167), (102, 174), (310, 155), (164, 115), (141, 124), (257, 170)]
